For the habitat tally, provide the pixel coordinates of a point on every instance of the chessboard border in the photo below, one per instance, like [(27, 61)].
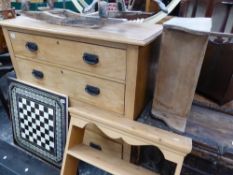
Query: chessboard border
[(64, 111)]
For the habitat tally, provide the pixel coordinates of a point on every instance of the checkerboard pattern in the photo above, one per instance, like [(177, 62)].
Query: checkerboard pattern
[(39, 121), (36, 123)]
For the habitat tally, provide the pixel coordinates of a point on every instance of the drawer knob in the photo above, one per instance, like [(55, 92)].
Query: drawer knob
[(32, 47), (90, 58), (92, 90), (38, 74)]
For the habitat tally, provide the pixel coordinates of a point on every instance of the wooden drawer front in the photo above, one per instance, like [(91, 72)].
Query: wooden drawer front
[(73, 84), (111, 61), (97, 140)]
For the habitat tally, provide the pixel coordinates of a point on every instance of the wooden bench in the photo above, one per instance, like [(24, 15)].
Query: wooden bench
[(174, 147)]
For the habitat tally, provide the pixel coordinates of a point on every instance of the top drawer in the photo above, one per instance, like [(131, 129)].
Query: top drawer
[(100, 60)]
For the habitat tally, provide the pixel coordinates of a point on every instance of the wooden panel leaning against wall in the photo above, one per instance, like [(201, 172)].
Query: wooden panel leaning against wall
[(179, 68)]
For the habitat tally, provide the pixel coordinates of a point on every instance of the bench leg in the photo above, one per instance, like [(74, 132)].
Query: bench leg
[(75, 137), (179, 166)]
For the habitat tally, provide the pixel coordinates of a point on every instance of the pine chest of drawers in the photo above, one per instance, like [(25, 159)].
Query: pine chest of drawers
[(105, 68)]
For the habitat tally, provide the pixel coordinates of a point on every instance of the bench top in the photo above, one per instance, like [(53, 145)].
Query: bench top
[(132, 132)]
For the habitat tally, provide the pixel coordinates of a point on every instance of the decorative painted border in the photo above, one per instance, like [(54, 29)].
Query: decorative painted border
[(60, 105)]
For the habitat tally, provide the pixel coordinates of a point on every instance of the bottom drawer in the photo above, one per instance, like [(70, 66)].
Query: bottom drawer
[(95, 138), (99, 92)]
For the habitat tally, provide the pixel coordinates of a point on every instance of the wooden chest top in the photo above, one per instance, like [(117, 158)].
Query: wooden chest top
[(125, 33)]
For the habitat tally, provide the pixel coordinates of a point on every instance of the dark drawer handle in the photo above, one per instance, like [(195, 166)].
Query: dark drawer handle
[(90, 58), (38, 74), (95, 146), (92, 90), (32, 47)]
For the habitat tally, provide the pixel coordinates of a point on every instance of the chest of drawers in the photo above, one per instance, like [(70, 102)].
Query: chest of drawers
[(106, 68)]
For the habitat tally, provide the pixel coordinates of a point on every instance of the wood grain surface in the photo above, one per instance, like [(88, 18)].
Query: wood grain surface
[(73, 84), (127, 33), (180, 64), (111, 61)]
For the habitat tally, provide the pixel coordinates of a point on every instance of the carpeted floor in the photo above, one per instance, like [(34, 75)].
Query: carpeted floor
[(14, 161), (5, 127)]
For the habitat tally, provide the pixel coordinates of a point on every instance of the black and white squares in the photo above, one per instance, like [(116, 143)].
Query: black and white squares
[(39, 121)]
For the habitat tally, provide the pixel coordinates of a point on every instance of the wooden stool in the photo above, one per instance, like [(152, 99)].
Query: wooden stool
[(173, 146)]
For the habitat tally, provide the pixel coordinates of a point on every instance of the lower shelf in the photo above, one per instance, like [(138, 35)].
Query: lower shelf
[(106, 162)]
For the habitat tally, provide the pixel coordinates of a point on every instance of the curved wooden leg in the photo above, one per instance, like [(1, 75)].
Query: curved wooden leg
[(75, 137)]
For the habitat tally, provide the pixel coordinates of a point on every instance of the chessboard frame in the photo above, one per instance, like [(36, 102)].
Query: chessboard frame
[(52, 100)]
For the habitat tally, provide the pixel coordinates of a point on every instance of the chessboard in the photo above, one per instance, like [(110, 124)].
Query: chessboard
[(39, 119)]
